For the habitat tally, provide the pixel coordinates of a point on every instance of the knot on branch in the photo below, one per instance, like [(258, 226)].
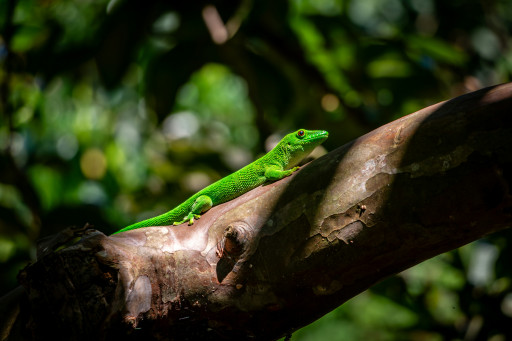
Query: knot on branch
[(235, 246)]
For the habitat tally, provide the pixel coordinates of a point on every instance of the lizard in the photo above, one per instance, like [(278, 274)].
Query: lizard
[(277, 164)]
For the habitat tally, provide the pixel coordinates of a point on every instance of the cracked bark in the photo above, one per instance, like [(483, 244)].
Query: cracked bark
[(282, 255)]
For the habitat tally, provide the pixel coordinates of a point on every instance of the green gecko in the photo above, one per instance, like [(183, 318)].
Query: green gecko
[(278, 163)]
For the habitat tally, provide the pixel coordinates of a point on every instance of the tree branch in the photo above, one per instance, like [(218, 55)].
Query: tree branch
[(282, 255)]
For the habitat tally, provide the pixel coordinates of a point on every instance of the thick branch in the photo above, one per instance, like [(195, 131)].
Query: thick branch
[(282, 255)]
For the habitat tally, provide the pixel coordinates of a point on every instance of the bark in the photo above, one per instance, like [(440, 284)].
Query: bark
[(284, 254)]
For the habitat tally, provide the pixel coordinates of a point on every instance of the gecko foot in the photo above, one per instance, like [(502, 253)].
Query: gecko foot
[(189, 218)]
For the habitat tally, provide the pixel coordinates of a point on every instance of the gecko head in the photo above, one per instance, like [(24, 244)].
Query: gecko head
[(300, 143)]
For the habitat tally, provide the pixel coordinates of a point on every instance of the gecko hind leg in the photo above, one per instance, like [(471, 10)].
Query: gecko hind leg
[(202, 204)]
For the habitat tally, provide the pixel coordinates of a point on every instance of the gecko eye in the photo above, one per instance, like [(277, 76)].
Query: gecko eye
[(301, 133)]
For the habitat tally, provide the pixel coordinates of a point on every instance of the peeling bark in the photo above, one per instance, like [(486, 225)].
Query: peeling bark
[(284, 254)]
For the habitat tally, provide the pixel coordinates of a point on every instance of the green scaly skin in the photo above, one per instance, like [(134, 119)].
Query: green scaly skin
[(278, 163)]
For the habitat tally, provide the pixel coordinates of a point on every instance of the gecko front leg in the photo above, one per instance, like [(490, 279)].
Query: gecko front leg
[(202, 204)]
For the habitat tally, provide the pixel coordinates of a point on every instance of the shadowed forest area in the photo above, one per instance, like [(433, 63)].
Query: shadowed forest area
[(115, 111)]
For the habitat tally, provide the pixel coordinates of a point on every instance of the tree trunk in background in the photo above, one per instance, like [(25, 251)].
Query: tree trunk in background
[(282, 255)]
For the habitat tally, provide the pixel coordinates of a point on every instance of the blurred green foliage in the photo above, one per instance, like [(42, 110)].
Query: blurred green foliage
[(114, 111)]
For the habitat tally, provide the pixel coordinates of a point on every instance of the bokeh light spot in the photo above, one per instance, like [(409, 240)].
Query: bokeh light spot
[(330, 102), (93, 164)]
